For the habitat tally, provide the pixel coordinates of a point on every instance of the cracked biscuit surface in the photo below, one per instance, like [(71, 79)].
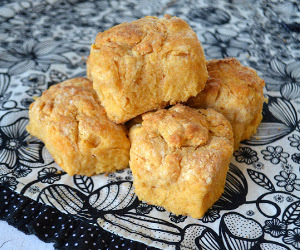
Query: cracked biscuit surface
[(69, 119), (235, 91), (180, 157), (145, 65)]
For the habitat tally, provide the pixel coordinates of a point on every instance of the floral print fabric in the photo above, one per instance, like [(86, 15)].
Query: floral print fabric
[(46, 42)]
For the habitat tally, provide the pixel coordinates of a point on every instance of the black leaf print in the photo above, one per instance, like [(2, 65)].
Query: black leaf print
[(271, 245), (284, 111), (280, 72), (261, 179), (237, 230), (114, 197), (268, 132), (291, 213), (4, 83), (63, 197), (33, 54), (84, 183), (156, 229), (286, 120), (208, 239), (290, 91), (235, 191)]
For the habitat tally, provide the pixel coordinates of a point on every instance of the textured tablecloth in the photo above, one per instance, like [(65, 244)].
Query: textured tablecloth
[(45, 42)]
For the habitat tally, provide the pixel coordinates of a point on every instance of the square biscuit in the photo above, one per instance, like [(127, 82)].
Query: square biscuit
[(145, 65), (180, 157)]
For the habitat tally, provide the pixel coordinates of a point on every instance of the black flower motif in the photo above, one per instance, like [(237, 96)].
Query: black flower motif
[(295, 141), (289, 199), (250, 213), (160, 209), (33, 55), (287, 167), (177, 218), (83, 51), (288, 181), (34, 92), (143, 208), (10, 182), (258, 165), (275, 227), (210, 216), (246, 155), (34, 189), (279, 198), (128, 178), (21, 171), (296, 157), (209, 16), (26, 102), (16, 145), (49, 175), (4, 169), (34, 80), (280, 72), (224, 43), (275, 155), (111, 175), (293, 237)]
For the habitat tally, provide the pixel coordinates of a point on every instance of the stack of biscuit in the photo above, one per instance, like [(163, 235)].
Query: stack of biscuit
[(184, 115)]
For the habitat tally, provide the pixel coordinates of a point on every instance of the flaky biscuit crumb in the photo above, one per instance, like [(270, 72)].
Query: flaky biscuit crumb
[(69, 119), (179, 158), (235, 91), (145, 65)]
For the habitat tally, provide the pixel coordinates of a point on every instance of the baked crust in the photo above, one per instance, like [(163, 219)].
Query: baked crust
[(180, 157), (235, 91), (69, 119), (145, 65)]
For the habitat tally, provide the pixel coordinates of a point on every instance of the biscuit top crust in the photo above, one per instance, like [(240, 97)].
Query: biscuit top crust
[(148, 35), (181, 144), (72, 109), (145, 65), (232, 89), (181, 126)]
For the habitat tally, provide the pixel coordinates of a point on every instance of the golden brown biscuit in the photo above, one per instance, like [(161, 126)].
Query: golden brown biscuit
[(69, 119), (179, 158), (145, 65), (235, 91)]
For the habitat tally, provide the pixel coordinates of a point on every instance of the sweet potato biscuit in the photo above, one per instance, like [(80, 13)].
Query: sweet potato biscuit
[(145, 65), (69, 119), (179, 158), (235, 91)]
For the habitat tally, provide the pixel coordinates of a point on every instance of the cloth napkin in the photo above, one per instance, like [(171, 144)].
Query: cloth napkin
[(45, 42)]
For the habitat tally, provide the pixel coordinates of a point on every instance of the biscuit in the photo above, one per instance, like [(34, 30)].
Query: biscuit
[(235, 91), (179, 158), (69, 119), (145, 65)]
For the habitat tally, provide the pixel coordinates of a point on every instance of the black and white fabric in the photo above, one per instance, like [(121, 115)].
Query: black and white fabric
[(46, 42)]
